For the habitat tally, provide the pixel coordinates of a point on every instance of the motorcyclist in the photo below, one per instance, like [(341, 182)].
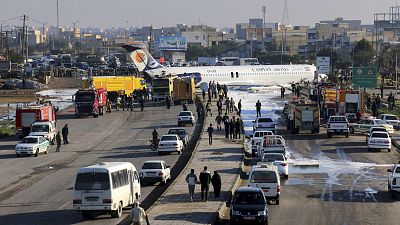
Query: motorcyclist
[(155, 136)]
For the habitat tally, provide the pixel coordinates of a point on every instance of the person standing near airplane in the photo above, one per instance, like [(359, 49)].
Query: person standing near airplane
[(258, 108)]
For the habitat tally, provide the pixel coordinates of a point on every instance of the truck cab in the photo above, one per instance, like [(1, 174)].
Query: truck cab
[(90, 102), (394, 180), (46, 129)]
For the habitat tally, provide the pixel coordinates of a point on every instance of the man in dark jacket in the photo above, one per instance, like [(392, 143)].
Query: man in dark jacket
[(210, 131), (216, 183), (258, 108), (58, 141), (205, 179), (231, 129), (64, 133), (240, 107), (238, 128), (226, 125)]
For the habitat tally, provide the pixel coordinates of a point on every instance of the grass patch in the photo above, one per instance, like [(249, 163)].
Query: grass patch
[(7, 129)]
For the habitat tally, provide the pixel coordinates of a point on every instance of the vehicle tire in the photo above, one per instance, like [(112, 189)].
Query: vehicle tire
[(179, 152), (18, 155), (117, 213), (47, 150), (369, 149), (153, 147), (159, 153), (329, 135), (87, 215), (179, 125), (37, 153), (277, 201), (389, 150), (312, 131), (317, 130), (393, 194), (351, 130)]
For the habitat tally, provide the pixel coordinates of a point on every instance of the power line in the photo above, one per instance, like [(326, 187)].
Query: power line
[(15, 18)]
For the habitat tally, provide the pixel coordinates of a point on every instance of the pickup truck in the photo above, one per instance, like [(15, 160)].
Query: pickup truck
[(394, 180), (257, 138), (337, 125)]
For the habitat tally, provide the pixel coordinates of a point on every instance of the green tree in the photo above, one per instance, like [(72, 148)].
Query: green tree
[(363, 53)]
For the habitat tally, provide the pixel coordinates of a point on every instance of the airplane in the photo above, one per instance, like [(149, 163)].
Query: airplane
[(251, 75)]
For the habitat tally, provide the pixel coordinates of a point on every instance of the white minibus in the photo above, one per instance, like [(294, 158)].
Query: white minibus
[(106, 187)]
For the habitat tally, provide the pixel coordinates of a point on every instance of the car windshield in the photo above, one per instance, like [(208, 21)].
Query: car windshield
[(378, 129), (185, 114), (338, 119), (249, 198), (92, 181), (273, 157), (178, 132), (265, 120), (391, 118), (40, 128), (263, 177), (379, 135), (168, 138), (154, 165), (29, 140)]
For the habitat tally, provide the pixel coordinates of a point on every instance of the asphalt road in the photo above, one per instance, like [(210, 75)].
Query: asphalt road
[(38, 190), (334, 181)]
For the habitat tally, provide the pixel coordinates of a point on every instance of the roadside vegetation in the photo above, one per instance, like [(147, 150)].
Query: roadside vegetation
[(7, 128)]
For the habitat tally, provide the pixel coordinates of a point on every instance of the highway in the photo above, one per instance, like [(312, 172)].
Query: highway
[(38, 190)]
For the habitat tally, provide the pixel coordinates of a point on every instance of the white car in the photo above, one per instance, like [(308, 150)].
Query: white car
[(379, 140), (264, 123), (266, 177), (364, 125), (337, 125), (32, 145), (279, 161), (170, 143), (257, 138), (372, 129), (155, 171), (185, 117), (390, 119), (394, 180)]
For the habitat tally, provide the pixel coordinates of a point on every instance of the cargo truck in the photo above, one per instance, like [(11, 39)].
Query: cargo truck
[(25, 116), (162, 88), (183, 90), (302, 115), (90, 102), (119, 84)]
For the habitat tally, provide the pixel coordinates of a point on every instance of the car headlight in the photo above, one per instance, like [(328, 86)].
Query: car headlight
[(140, 174), (237, 213), (262, 213)]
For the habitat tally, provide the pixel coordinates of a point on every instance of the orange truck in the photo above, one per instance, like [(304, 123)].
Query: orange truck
[(183, 90)]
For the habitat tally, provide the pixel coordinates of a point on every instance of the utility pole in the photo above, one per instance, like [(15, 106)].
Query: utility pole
[(58, 18), (24, 39), (397, 81), (44, 39)]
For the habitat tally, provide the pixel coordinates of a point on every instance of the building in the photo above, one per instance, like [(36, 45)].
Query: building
[(202, 35)]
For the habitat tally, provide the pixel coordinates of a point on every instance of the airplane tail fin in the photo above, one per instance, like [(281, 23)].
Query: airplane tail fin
[(142, 58)]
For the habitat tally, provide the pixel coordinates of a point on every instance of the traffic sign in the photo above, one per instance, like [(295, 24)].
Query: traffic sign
[(365, 77), (323, 65)]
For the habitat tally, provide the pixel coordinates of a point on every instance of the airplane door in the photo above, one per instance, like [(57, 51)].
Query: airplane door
[(131, 183), (232, 76), (237, 74)]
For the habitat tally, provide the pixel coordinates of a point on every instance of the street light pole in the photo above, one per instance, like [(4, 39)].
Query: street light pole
[(397, 81)]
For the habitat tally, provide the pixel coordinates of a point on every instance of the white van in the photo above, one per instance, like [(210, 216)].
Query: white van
[(106, 187), (46, 129), (266, 177)]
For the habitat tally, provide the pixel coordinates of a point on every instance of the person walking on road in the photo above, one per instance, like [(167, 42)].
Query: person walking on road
[(216, 183), (168, 102), (240, 107), (227, 102), (238, 128), (203, 93), (219, 106), (205, 179), (141, 101), (64, 133), (58, 141), (232, 105), (231, 129), (210, 131), (191, 180), (226, 125), (218, 119), (283, 92), (208, 108), (258, 108), (198, 110), (138, 215)]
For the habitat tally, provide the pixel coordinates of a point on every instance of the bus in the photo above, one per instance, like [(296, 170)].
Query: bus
[(106, 188), (246, 62), (228, 61)]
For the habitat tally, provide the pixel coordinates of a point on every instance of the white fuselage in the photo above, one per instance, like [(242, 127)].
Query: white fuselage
[(264, 75)]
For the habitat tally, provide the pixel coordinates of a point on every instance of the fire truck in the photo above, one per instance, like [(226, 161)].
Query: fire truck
[(302, 115), (90, 102), (26, 115)]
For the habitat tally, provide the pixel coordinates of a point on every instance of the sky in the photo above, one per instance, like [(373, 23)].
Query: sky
[(218, 13)]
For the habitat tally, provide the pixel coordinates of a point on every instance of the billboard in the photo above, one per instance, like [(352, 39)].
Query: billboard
[(323, 65), (173, 43), (365, 77)]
